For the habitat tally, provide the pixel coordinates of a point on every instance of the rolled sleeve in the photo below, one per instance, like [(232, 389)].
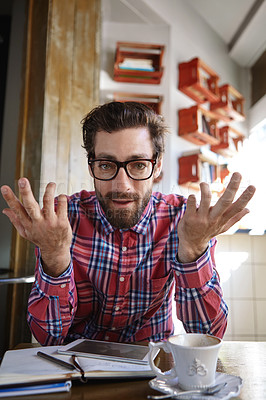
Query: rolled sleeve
[(197, 273), (59, 286)]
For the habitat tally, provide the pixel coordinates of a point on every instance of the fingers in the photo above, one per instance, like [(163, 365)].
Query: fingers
[(226, 200), (48, 201), (62, 206), (239, 205), (30, 204), (191, 205), (232, 221), (14, 203), (206, 197), (15, 221)]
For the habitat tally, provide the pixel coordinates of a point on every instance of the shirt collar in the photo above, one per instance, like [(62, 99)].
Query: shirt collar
[(140, 227), (105, 223)]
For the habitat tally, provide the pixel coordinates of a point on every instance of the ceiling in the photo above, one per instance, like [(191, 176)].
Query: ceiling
[(240, 23)]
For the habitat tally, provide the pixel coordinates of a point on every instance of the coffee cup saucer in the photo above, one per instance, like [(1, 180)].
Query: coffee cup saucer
[(232, 388)]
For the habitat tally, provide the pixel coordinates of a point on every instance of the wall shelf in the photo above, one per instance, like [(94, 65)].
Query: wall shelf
[(198, 81), (198, 167), (198, 125), (230, 106), (229, 141), (153, 101), (138, 63)]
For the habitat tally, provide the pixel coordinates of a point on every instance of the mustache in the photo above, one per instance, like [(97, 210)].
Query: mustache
[(121, 196)]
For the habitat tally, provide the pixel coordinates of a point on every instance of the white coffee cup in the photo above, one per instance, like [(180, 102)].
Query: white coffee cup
[(195, 356)]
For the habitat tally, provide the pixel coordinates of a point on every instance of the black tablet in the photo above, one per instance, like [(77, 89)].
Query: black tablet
[(122, 352)]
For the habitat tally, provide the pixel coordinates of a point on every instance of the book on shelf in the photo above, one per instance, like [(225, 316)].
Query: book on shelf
[(137, 63), (205, 125)]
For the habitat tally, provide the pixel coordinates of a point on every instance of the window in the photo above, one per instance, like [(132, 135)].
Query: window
[(251, 163)]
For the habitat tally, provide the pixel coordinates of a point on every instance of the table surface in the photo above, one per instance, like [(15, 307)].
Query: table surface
[(244, 359)]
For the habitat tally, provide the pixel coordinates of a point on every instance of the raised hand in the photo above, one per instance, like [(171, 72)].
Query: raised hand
[(200, 224), (46, 228)]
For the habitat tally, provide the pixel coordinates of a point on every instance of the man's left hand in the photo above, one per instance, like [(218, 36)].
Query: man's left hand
[(200, 224)]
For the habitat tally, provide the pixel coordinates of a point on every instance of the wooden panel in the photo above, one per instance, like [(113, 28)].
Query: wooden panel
[(60, 86), (72, 89), (28, 158)]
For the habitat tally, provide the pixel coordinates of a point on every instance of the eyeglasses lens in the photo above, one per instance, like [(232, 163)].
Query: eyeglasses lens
[(138, 169)]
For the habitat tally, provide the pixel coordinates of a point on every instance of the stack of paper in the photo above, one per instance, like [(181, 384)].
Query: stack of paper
[(137, 63)]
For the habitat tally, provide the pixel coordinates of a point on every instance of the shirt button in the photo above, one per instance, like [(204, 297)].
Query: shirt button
[(63, 286), (106, 337), (124, 248), (121, 279), (177, 273), (117, 308), (113, 328)]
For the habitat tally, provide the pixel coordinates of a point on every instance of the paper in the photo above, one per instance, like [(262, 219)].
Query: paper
[(25, 366)]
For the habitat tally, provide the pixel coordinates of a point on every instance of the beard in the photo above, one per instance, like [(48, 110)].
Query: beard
[(127, 217)]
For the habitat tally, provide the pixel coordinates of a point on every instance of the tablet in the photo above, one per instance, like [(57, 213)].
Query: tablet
[(122, 352)]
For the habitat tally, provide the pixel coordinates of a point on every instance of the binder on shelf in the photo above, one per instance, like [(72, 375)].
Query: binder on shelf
[(198, 81), (138, 62)]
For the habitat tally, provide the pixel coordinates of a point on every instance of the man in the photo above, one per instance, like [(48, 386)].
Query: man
[(108, 261)]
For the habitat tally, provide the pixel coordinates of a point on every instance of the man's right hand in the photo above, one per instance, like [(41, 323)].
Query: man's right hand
[(48, 229)]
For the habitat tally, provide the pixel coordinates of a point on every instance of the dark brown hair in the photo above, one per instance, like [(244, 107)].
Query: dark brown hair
[(115, 116)]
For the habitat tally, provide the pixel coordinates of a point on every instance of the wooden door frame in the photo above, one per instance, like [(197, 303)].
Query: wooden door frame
[(43, 17), (28, 159)]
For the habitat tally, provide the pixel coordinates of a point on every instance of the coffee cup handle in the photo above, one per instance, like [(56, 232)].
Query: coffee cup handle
[(154, 347)]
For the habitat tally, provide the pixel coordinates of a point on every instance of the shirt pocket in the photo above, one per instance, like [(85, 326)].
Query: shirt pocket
[(160, 284), (147, 294)]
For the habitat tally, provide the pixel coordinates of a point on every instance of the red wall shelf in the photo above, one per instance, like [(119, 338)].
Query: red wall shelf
[(230, 106), (198, 81), (196, 168), (198, 125), (138, 63), (153, 101), (229, 140)]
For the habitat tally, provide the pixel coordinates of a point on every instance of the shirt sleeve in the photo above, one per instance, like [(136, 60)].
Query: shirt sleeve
[(199, 298), (52, 305)]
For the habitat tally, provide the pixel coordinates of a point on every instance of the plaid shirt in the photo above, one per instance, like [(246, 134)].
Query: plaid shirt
[(119, 284)]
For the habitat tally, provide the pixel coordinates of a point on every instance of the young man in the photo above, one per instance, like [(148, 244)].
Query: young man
[(108, 261)]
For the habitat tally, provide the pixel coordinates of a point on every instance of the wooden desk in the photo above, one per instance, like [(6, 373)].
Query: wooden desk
[(245, 359)]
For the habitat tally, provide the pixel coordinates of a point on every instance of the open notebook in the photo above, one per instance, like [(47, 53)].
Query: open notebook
[(24, 366)]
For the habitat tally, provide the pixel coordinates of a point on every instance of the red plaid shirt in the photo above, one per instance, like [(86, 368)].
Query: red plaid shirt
[(119, 284)]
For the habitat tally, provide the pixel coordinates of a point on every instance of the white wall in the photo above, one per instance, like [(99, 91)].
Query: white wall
[(186, 36)]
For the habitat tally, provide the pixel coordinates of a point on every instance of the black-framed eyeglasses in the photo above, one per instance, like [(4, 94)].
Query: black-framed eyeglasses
[(106, 170)]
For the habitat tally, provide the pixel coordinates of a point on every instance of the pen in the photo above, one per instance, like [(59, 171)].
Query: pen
[(64, 364), (56, 360)]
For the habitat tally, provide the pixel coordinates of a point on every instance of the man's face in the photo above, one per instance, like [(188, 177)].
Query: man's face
[(122, 198)]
